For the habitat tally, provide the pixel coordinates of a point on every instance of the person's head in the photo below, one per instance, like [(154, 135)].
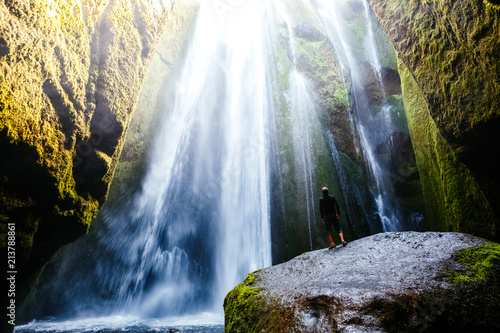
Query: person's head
[(325, 191)]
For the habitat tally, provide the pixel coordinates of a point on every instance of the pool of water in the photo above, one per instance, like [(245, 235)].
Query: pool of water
[(208, 323)]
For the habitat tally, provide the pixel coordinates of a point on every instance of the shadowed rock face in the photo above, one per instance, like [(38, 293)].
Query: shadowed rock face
[(361, 287), (452, 49), (449, 53), (71, 73)]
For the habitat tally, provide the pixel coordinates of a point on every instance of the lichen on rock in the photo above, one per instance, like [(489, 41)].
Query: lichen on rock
[(480, 262)]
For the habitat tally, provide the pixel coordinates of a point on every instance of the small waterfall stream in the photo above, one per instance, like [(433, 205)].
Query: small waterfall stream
[(241, 113), (373, 129)]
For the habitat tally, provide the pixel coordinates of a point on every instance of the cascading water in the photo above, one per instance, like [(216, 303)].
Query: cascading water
[(373, 129), (302, 107), (203, 213), (200, 222), (241, 113)]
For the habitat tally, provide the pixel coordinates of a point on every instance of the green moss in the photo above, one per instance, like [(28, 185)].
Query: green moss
[(244, 307), (323, 70), (342, 96), (480, 262), (250, 278), (311, 51), (248, 309), (453, 199)]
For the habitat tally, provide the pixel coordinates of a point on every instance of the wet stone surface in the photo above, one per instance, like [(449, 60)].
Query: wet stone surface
[(347, 288)]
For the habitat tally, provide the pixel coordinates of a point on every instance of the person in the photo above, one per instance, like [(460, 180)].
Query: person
[(330, 214)]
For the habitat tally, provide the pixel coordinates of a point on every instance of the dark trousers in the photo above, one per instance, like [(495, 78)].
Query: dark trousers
[(329, 220)]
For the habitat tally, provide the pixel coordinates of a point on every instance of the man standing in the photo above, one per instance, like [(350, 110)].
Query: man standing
[(330, 214)]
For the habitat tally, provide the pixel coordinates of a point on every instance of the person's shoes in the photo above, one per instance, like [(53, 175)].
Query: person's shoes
[(344, 243), (332, 246)]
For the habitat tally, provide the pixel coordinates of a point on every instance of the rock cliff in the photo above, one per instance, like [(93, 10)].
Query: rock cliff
[(71, 72), (346, 84), (449, 63), (393, 282)]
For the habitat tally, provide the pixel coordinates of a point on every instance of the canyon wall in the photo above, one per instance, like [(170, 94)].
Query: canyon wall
[(71, 73), (449, 55)]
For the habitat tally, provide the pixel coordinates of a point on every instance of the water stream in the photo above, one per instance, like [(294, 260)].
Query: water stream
[(373, 129)]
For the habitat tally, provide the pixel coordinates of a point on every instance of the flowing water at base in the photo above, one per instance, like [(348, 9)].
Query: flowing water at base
[(206, 323)]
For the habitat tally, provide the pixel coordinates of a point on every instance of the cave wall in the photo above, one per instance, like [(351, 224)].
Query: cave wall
[(327, 71), (453, 199), (70, 75), (449, 55)]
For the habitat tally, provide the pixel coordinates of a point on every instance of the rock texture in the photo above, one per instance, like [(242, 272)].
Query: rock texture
[(156, 92), (453, 198), (313, 55), (70, 74), (395, 282), (317, 60), (450, 53)]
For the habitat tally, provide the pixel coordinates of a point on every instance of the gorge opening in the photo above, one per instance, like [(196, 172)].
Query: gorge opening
[(274, 100)]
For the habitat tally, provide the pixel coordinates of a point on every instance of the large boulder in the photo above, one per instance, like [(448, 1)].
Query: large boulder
[(386, 282)]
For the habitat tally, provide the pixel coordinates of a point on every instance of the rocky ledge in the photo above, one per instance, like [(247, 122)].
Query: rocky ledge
[(390, 282)]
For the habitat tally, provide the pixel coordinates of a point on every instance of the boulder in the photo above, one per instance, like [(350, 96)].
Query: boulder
[(403, 281)]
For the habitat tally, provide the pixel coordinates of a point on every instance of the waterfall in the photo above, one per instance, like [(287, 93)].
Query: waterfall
[(241, 115), (203, 212), (372, 47), (301, 108)]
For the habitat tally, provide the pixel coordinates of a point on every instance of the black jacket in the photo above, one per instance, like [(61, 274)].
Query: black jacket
[(328, 205)]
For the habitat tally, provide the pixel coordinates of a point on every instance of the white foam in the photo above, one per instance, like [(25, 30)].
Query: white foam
[(124, 323)]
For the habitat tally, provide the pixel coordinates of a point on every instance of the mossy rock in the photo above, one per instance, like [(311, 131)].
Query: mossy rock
[(481, 262), (71, 72), (471, 305), (450, 49), (244, 301), (454, 200), (408, 284)]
